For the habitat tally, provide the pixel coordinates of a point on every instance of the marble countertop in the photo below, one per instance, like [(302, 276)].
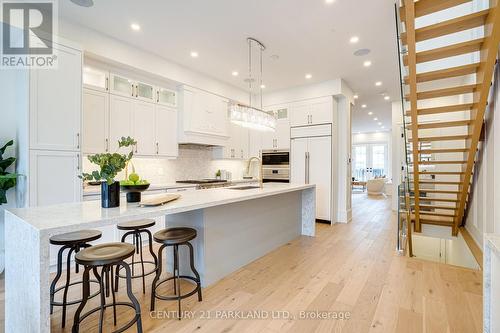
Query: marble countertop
[(73, 216), (96, 190), (493, 241)]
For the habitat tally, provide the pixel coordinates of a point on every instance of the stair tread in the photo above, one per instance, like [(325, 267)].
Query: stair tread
[(446, 73), (438, 191), (435, 199), (426, 213), (452, 91), (425, 7), (443, 150), (447, 51), (439, 182), (447, 27), (437, 207), (443, 124), (444, 109), (440, 172), (443, 138), (442, 162)]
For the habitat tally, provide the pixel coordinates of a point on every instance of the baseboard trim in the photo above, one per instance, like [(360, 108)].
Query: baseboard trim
[(474, 248)]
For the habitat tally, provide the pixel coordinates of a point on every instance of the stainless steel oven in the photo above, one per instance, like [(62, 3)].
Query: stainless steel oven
[(276, 166)]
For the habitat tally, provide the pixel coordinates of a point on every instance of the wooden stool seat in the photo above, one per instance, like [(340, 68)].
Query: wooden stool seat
[(75, 237), (174, 236), (104, 254), (134, 225)]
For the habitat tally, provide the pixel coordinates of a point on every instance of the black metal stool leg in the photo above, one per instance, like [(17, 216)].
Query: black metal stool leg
[(178, 278), (150, 241), (57, 277), (193, 269), (113, 294), (157, 276), (142, 262), (103, 297), (66, 286), (131, 296), (85, 296), (176, 264)]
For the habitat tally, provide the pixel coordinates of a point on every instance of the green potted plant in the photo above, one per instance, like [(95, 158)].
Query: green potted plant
[(7, 180), (110, 164)]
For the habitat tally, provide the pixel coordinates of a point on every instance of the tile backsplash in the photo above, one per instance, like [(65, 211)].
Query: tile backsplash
[(193, 162)]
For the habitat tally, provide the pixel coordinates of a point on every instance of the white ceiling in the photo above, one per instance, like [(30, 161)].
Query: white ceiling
[(309, 36)]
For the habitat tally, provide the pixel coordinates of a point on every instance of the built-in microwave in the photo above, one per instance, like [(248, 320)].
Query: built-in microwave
[(276, 166)]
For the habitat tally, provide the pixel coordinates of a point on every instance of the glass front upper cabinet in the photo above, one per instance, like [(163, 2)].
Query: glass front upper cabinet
[(144, 91), (122, 85), (166, 97), (95, 79)]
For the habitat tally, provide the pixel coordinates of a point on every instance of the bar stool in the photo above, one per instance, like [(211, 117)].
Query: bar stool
[(106, 256), (72, 241), (175, 237), (136, 228)]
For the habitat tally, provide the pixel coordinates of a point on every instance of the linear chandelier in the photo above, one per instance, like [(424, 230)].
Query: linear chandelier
[(247, 115)]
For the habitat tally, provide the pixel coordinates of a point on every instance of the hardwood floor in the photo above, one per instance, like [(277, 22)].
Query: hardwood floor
[(348, 269)]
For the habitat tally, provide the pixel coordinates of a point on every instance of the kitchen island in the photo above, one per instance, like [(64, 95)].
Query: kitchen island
[(234, 227)]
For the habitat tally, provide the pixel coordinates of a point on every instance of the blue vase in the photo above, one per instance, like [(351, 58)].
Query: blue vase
[(110, 195)]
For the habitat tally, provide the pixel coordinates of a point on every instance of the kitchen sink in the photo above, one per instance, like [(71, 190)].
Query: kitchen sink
[(243, 188)]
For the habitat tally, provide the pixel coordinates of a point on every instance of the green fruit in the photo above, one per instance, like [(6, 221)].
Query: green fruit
[(126, 183), (133, 177)]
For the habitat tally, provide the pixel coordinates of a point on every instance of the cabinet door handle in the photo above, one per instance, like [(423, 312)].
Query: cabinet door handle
[(106, 84), (157, 148), (136, 90), (133, 88), (136, 148), (77, 140), (107, 144), (78, 162), (242, 153), (157, 96)]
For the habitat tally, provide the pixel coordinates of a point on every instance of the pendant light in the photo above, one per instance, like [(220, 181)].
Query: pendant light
[(247, 115)]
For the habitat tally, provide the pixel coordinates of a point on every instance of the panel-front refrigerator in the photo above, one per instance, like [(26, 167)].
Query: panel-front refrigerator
[(311, 163)]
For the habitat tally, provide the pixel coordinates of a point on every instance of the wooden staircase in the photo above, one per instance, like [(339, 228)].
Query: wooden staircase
[(444, 136)]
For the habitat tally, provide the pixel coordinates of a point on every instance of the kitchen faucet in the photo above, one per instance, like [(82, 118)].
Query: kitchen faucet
[(261, 182)]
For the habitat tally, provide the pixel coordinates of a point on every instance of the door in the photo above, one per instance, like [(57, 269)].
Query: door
[(299, 114), (121, 114), (144, 128), (53, 177), (166, 97), (56, 103), (298, 169), (166, 131), (95, 79), (320, 173), (321, 111), (95, 121), (145, 92), (370, 160), (255, 143)]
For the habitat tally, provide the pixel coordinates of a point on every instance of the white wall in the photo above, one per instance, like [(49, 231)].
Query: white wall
[(484, 213)]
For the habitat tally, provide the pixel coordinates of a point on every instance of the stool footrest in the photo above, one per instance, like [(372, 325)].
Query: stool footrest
[(176, 297), (121, 329), (75, 301)]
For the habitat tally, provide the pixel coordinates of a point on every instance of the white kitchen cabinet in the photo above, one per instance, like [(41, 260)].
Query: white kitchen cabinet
[(145, 91), (312, 112), (236, 147), (122, 86), (95, 79), (279, 139), (55, 104), (53, 177), (121, 117), (166, 97), (95, 137), (254, 143), (311, 163), (203, 119), (166, 131), (143, 128)]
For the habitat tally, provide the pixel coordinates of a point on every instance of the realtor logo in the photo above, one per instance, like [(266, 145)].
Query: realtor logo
[(28, 34)]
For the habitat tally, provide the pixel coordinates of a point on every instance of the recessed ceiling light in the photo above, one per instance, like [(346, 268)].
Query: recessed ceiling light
[(382, 127), (375, 118), (363, 106), (354, 39), (361, 52), (194, 54), (370, 113), (379, 123), (135, 27), (235, 73), (387, 98), (308, 76), (356, 96), (262, 86), (329, 1), (378, 83), (367, 63)]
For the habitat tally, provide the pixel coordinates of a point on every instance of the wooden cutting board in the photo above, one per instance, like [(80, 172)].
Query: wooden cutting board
[(159, 200)]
